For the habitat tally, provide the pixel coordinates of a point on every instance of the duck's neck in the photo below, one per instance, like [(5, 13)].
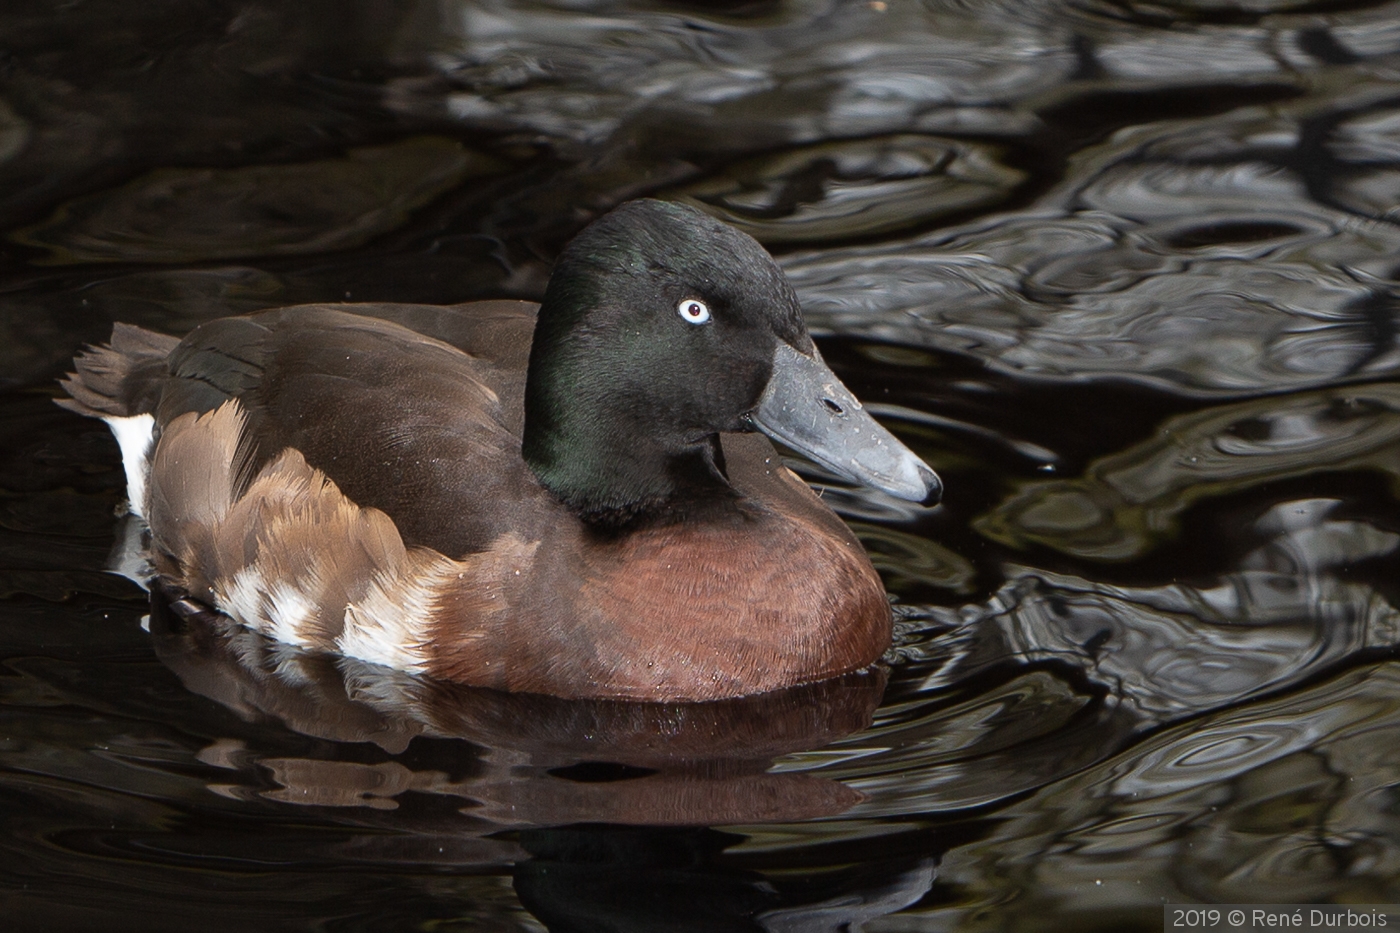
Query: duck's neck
[(610, 463)]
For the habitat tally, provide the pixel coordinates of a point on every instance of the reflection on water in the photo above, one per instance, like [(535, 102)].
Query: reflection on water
[(1126, 503), (1125, 273), (176, 215), (1290, 800), (548, 761), (852, 189)]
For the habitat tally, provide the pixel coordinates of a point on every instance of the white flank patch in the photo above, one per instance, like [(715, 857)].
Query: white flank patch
[(134, 435), (242, 599), (288, 612), (279, 611), (390, 625)]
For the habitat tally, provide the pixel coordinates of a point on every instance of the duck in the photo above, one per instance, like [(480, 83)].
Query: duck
[(578, 498)]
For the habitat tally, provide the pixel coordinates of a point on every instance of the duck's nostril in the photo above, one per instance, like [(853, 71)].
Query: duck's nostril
[(832, 407)]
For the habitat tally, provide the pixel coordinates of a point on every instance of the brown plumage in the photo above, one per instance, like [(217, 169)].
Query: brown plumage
[(350, 478)]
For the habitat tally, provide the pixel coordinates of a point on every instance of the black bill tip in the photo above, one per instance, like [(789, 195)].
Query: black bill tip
[(933, 487)]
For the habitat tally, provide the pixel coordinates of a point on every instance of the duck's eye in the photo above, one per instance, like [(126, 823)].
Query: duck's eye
[(693, 311)]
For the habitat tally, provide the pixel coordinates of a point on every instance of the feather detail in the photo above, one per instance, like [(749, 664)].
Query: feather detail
[(288, 555), (120, 378)]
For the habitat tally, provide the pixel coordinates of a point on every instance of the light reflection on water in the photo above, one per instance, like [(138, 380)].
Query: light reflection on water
[(1125, 273)]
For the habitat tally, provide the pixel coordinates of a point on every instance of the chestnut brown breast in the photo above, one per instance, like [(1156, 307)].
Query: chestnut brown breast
[(775, 593)]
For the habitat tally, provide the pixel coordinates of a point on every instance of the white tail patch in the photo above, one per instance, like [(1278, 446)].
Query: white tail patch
[(134, 434)]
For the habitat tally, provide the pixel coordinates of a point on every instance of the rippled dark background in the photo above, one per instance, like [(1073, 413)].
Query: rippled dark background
[(1124, 272)]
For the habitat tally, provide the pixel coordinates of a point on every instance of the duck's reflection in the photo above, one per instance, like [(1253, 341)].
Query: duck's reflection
[(537, 760), (625, 879), (609, 799)]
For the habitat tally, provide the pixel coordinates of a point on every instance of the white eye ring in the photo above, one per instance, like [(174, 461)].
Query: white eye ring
[(693, 311)]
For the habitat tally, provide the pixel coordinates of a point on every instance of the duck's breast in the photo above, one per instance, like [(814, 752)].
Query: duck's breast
[(773, 594)]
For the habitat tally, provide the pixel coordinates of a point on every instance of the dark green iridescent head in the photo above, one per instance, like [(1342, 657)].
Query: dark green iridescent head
[(626, 393)]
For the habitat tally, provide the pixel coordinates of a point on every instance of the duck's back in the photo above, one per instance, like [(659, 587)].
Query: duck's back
[(414, 410)]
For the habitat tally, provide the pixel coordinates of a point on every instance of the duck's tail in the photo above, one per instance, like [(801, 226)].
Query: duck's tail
[(120, 382), (119, 379)]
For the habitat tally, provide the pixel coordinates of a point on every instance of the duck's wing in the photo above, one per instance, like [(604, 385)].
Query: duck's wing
[(496, 334), (401, 421), (410, 409), (225, 358)]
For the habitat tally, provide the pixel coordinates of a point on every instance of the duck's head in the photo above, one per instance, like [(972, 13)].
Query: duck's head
[(662, 328)]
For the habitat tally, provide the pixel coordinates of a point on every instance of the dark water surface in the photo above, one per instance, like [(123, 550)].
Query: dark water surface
[(1126, 273)]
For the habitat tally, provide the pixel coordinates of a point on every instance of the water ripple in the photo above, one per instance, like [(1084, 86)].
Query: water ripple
[(1128, 503)]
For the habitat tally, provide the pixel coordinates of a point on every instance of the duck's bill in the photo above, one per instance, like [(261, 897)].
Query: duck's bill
[(807, 408)]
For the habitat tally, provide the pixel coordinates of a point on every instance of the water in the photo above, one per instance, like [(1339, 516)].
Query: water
[(1124, 273)]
